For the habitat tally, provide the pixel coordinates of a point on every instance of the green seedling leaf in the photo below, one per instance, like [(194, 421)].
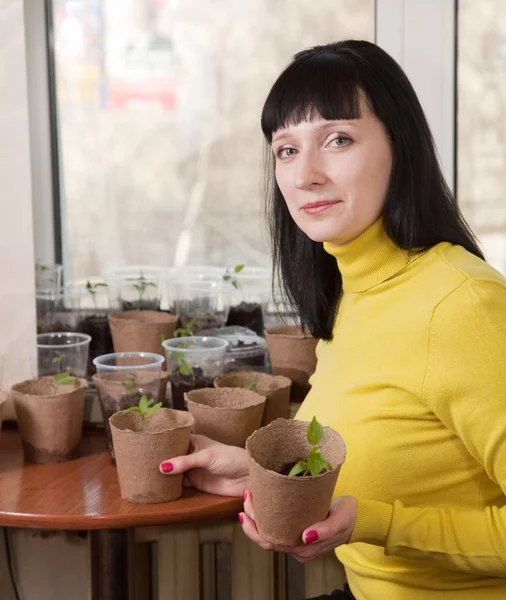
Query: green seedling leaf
[(250, 385), (67, 382), (61, 376), (316, 462), (238, 268), (162, 337), (154, 409), (300, 467), (314, 432), (57, 360), (185, 368), (227, 277), (143, 403), (131, 409), (235, 284)]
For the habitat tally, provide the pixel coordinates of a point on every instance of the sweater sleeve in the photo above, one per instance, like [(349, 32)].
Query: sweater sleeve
[(465, 387)]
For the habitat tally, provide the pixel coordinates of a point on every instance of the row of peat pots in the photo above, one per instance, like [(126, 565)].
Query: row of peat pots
[(145, 417)]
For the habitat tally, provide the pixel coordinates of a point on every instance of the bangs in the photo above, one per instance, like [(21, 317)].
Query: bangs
[(320, 86)]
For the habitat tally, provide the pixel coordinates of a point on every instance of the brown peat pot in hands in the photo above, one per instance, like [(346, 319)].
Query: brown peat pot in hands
[(285, 506), (50, 417), (275, 388), (227, 415), (139, 453), (293, 354), (141, 330)]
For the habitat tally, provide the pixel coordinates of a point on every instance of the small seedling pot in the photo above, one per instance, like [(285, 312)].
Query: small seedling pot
[(139, 454), (293, 355), (227, 415), (193, 363), (69, 349), (285, 506), (121, 379), (141, 330), (249, 297), (50, 422), (275, 388)]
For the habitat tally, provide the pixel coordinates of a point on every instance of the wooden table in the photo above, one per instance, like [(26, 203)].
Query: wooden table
[(83, 494)]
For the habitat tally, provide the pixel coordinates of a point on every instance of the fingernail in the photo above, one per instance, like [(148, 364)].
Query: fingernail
[(245, 495), (241, 518), (167, 467), (311, 537)]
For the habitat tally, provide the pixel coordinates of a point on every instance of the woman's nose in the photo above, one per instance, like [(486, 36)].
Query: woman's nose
[(308, 173)]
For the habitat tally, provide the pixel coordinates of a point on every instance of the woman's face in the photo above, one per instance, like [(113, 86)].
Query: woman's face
[(334, 175)]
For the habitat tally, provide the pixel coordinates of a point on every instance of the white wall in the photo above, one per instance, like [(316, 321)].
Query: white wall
[(17, 304)]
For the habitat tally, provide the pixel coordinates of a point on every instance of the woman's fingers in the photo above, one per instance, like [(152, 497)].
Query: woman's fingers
[(338, 526), (181, 464), (248, 504), (249, 528)]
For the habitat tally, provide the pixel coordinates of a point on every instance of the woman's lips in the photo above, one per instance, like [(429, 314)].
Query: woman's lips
[(316, 208)]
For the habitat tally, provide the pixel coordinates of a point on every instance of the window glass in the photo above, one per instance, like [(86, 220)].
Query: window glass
[(158, 106), (481, 176)]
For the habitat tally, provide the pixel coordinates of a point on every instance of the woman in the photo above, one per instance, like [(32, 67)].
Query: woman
[(374, 254)]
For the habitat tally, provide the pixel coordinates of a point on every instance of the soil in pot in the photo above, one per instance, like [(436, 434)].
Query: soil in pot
[(275, 388), (97, 326), (182, 384), (247, 314), (285, 506), (114, 398), (140, 305), (227, 415), (50, 421), (139, 454)]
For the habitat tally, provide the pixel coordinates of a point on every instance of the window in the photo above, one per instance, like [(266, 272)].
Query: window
[(158, 105), (481, 177)]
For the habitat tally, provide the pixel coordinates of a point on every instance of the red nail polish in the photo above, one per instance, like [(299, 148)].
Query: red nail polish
[(245, 495), (167, 467), (241, 518), (312, 536)]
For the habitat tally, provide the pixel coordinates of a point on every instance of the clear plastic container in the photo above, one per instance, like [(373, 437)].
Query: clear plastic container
[(121, 380), (140, 287), (199, 300), (193, 363), (63, 352), (249, 292), (92, 299), (49, 303), (48, 276)]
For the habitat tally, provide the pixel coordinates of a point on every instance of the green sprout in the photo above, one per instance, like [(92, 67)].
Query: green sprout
[(145, 410), (315, 462), (130, 383), (187, 330), (184, 368), (141, 284), (250, 385), (91, 288), (229, 277), (62, 379), (57, 360)]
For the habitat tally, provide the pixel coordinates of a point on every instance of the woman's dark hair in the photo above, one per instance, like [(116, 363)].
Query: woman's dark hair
[(420, 210)]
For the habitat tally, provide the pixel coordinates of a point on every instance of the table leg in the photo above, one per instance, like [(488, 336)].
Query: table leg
[(110, 572)]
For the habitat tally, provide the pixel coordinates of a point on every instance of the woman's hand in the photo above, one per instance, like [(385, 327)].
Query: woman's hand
[(211, 467), (318, 539)]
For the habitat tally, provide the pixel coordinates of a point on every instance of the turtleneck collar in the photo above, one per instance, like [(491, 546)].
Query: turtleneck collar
[(369, 259)]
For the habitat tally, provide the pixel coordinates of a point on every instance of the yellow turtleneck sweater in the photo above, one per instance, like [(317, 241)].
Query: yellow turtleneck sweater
[(415, 381)]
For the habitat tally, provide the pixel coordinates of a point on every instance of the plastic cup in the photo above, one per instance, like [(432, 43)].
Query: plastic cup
[(140, 287), (48, 276), (193, 363), (63, 352), (201, 302)]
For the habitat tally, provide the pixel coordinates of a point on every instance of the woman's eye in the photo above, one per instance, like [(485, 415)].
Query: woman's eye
[(340, 141), (285, 152)]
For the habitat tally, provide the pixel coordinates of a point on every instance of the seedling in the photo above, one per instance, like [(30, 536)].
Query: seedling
[(92, 290), (250, 385), (62, 379), (141, 284), (188, 330), (229, 276), (315, 462), (57, 360), (184, 368), (145, 410), (130, 383)]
